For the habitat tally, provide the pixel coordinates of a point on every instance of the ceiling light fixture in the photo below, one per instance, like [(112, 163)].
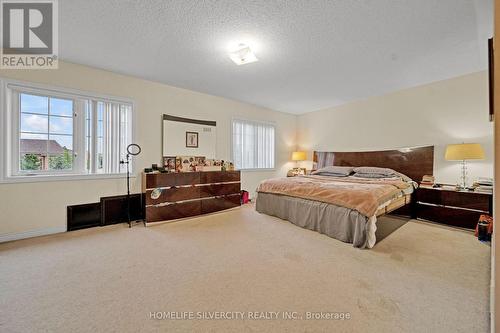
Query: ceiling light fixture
[(242, 55)]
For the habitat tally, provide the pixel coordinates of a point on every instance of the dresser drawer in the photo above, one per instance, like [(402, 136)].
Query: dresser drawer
[(217, 204), (451, 216), (219, 177), (219, 189), (187, 178), (172, 179), (429, 196), (174, 194), (468, 200), (160, 180), (172, 212)]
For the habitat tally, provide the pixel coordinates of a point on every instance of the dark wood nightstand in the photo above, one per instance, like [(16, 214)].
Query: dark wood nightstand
[(452, 207)]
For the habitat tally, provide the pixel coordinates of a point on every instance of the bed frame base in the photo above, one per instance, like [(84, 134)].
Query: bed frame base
[(398, 203)]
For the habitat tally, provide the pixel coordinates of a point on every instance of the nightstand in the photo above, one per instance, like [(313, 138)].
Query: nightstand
[(452, 207)]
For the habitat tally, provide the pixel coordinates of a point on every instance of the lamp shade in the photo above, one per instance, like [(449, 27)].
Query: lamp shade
[(464, 151), (299, 156)]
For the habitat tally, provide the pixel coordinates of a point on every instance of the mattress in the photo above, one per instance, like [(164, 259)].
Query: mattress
[(336, 211), (360, 194)]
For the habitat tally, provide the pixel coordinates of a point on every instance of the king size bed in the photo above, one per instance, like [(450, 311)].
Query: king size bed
[(347, 192)]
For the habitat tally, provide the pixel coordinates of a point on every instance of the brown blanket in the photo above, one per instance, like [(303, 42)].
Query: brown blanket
[(363, 195)]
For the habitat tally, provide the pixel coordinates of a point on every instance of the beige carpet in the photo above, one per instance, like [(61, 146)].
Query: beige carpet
[(421, 278)]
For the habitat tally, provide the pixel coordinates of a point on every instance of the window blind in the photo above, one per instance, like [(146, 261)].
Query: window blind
[(253, 144), (116, 136)]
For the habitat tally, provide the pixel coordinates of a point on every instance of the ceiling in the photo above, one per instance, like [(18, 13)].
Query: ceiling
[(312, 54)]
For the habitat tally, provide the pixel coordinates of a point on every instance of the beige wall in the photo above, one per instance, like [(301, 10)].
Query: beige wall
[(450, 111), (32, 206)]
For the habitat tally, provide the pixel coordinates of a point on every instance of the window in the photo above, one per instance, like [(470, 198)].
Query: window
[(60, 133), (253, 144), (45, 133)]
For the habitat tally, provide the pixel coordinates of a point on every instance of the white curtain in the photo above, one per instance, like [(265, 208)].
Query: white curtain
[(116, 136), (253, 144), (125, 134)]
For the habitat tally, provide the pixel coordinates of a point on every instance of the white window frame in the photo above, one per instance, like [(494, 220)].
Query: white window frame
[(9, 166), (78, 129), (256, 122)]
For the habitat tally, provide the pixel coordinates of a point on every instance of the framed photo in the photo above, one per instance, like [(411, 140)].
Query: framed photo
[(185, 164), (178, 164), (169, 163), (192, 139), (299, 171), (200, 160)]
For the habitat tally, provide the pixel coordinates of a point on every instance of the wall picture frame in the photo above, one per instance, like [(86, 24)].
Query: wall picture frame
[(191, 139)]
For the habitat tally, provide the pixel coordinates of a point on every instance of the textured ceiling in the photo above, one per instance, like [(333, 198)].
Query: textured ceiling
[(312, 54)]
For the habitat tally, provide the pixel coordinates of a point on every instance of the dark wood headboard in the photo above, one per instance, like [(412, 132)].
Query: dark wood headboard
[(413, 162)]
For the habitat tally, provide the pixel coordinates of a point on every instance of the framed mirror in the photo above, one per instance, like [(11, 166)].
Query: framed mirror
[(188, 137)]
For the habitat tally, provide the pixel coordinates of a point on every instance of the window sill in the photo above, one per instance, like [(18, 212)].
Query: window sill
[(58, 178)]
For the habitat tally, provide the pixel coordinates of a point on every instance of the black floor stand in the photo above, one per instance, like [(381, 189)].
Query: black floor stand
[(129, 219)]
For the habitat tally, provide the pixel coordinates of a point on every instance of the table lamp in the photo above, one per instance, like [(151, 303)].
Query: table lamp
[(464, 152), (298, 156)]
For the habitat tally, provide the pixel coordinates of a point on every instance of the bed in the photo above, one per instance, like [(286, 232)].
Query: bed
[(346, 208)]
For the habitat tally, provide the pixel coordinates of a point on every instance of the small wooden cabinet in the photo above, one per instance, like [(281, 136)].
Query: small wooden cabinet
[(456, 208), (190, 193)]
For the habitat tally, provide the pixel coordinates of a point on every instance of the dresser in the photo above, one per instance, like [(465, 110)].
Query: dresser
[(190, 193), (452, 207)]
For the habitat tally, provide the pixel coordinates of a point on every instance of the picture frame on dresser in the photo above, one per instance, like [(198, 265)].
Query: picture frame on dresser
[(169, 163)]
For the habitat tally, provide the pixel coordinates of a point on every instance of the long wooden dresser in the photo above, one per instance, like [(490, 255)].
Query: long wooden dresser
[(190, 193)]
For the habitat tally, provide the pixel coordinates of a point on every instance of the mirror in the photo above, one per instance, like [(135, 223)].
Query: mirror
[(189, 137)]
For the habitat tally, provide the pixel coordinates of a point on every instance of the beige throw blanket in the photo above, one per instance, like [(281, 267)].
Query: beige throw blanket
[(363, 195)]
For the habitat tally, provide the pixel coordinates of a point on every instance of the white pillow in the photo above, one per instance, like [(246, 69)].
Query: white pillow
[(378, 172), (337, 170), (375, 170)]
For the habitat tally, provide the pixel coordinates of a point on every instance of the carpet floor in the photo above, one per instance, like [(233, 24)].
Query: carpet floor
[(420, 278)]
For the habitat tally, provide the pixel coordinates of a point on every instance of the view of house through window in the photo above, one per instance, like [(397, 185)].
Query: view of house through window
[(46, 133)]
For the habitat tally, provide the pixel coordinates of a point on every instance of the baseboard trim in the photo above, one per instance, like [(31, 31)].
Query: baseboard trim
[(31, 233)]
